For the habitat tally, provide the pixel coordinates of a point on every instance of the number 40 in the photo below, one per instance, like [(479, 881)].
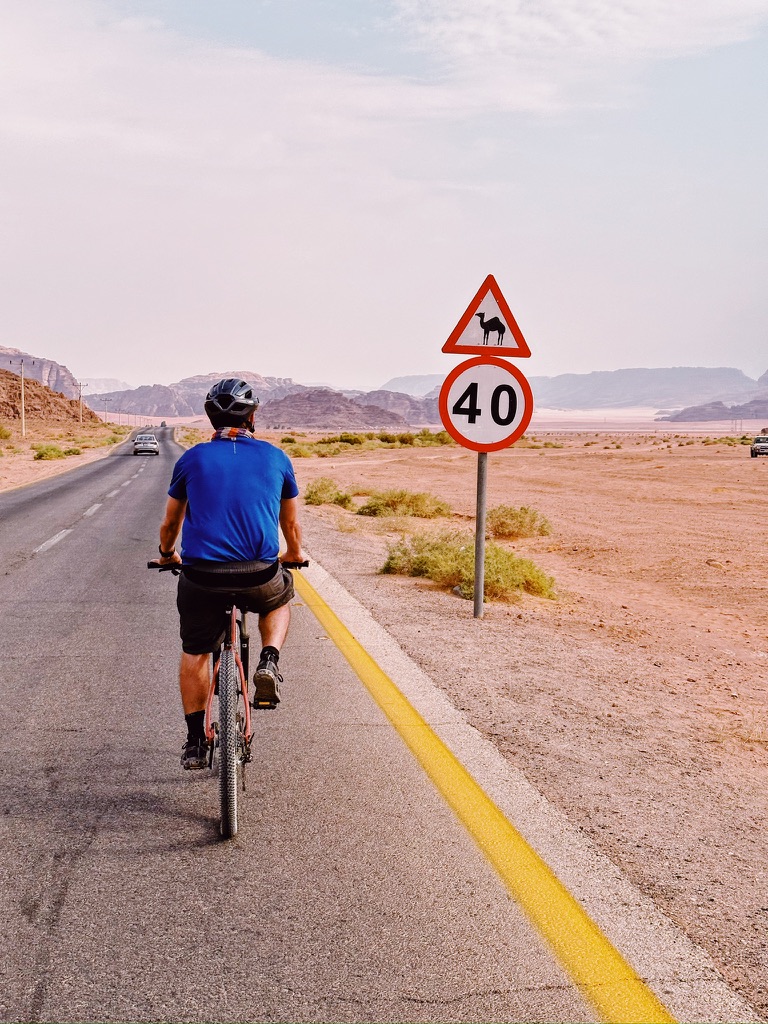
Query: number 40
[(467, 405)]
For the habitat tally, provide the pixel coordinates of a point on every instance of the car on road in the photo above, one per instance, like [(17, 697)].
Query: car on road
[(759, 446), (146, 444)]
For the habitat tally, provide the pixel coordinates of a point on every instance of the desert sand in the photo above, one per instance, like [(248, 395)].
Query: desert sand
[(636, 701)]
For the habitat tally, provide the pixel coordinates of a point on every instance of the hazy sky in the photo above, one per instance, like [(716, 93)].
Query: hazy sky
[(316, 188)]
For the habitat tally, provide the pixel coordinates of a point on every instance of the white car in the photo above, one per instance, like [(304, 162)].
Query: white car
[(146, 444)]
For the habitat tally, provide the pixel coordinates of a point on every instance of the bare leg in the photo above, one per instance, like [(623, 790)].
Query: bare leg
[(274, 627), (194, 681)]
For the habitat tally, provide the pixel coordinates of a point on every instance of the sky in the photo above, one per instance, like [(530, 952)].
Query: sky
[(316, 189)]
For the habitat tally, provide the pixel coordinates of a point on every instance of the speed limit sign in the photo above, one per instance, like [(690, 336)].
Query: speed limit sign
[(486, 404)]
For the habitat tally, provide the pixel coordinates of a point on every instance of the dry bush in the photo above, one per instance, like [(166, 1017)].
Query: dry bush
[(449, 559), (404, 503), (325, 491), (508, 521)]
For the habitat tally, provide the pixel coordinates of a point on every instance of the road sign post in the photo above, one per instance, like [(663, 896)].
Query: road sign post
[(485, 403), (482, 480)]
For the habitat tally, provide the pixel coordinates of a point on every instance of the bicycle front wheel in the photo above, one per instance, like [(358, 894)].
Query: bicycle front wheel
[(228, 746)]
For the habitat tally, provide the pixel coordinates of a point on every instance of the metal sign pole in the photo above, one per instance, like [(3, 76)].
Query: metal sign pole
[(482, 478)]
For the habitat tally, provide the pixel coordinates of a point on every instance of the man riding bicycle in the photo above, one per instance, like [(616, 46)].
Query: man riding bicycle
[(231, 493)]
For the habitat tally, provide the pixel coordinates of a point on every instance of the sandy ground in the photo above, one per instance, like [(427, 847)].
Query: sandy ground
[(18, 465), (636, 701)]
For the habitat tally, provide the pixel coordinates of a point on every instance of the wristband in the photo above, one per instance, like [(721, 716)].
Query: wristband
[(166, 554)]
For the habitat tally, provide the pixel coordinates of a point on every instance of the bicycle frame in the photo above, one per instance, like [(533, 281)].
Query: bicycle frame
[(230, 642)]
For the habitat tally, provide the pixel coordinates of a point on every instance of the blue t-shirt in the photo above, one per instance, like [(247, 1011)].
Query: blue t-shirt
[(233, 488)]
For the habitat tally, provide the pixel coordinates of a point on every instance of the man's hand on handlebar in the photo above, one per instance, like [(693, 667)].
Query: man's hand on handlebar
[(167, 564), (291, 561)]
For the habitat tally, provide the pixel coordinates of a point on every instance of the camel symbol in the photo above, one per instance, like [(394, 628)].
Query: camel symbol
[(493, 324)]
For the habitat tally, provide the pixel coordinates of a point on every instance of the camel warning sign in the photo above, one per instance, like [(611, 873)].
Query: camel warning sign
[(488, 326)]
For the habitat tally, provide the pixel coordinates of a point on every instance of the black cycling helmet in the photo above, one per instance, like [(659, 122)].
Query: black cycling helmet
[(230, 403)]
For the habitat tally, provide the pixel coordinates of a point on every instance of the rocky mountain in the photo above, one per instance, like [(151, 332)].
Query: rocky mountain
[(322, 409), (186, 397), (47, 371), (416, 384), (40, 402), (416, 411), (670, 386), (757, 409), (103, 385)]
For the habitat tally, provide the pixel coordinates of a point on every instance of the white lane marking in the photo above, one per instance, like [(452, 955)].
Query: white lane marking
[(51, 541), (92, 509), (113, 493), (125, 483)]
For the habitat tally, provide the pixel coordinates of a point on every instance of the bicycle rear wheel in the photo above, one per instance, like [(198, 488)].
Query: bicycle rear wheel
[(228, 742)]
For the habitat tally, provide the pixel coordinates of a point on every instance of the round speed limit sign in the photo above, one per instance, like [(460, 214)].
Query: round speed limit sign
[(486, 404)]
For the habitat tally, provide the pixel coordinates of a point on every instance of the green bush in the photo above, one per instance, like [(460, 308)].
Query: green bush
[(508, 521), (288, 440), (427, 439), (404, 503), (4, 433), (325, 491), (449, 560), (47, 451), (73, 451)]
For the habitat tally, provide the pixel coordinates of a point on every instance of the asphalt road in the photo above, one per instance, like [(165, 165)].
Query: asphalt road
[(351, 892)]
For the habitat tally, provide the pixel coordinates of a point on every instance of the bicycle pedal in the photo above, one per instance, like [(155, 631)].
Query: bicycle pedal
[(264, 705)]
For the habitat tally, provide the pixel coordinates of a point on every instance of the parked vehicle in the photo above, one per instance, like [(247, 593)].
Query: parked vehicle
[(759, 446)]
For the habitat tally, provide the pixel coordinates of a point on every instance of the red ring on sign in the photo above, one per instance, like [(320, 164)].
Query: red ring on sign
[(519, 430)]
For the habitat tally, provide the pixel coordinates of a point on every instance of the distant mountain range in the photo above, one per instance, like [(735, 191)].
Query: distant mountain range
[(619, 389), (681, 393)]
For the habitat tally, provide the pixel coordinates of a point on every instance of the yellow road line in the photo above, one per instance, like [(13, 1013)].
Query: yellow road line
[(599, 970)]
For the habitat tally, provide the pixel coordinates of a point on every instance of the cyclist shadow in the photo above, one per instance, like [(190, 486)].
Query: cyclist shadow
[(156, 816)]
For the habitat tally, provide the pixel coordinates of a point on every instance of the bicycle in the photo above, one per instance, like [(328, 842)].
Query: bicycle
[(231, 734)]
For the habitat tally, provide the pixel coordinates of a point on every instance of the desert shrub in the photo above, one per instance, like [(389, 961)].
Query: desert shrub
[(387, 438), (449, 560), (288, 440), (508, 521), (47, 451), (428, 439), (4, 433), (406, 439), (404, 503), (325, 491), (73, 451), (343, 438)]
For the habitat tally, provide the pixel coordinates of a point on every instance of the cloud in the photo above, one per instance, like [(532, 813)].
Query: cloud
[(548, 54), (467, 30)]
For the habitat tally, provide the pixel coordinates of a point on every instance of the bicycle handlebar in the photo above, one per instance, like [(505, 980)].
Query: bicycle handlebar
[(176, 567)]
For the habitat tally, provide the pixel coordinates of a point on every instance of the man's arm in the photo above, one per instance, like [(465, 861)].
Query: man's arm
[(289, 524), (170, 528)]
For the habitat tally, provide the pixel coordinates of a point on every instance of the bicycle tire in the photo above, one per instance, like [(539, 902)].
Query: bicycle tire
[(228, 742)]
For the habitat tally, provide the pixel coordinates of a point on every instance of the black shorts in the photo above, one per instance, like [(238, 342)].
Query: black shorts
[(201, 608)]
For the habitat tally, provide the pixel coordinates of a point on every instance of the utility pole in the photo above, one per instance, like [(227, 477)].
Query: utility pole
[(80, 387), (23, 409), (106, 403)]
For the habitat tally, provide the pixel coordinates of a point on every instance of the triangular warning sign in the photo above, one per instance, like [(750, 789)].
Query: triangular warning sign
[(488, 326)]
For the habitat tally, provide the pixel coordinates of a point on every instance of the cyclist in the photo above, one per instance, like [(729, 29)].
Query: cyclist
[(230, 493)]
